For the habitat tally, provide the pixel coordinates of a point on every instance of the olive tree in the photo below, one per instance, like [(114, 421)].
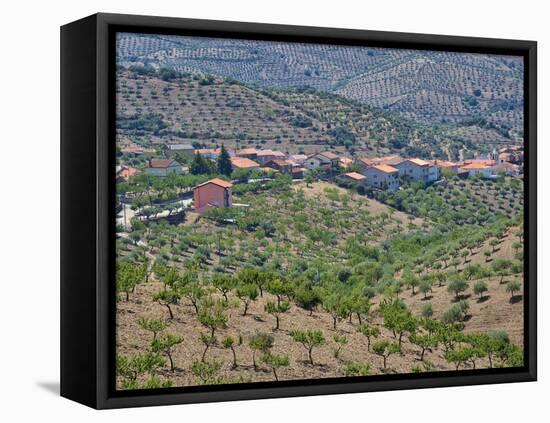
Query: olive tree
[(261, 342), (247, 293), (385, 348), (167, 298), (206, 371), (229, 342), (340, 341), (275, 361), (309, 339), (480, 288), (457, 286), (369, 331), (212, 314), (512, 287), (152, 325), (276, 309), (165, 344)]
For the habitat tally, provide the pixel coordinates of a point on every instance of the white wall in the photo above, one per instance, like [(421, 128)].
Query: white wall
[(30, 271)]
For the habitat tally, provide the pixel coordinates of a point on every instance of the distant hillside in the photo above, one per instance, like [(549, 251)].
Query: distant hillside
[(426, 86), (158, 107)]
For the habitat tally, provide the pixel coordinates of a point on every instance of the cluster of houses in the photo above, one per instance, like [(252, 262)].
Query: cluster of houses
[(383, 173)]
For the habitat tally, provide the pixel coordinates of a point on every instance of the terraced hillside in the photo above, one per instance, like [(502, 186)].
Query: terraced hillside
[(423, 85), (323, 259), (159, 107)]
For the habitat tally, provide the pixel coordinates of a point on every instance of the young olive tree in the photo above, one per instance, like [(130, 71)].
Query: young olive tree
[(275, 361), (194, 292), (165, 344), (167, 298), (398, 319), (208, 342), (224, 284), (384, 349), (459, 356), (129, 369), (212, 314), (340, 341), (424, 342), (309, 339), (261, 342), (152, 325), (128, 276), (307, 298), (356, 369), (206, 372), (229, 342), (369, 331), (276, 309), (335, 304), (247, 294)]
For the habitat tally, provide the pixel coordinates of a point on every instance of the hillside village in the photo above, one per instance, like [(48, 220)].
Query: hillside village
[(362, 173)]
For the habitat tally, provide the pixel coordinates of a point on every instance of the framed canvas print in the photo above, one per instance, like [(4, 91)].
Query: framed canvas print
[(255, 211)]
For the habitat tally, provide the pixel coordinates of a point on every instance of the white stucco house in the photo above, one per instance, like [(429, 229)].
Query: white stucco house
[(418, 170), (162, 167)]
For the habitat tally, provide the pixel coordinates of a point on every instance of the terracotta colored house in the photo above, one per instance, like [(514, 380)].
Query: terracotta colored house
[(213, 193), (123, 173)]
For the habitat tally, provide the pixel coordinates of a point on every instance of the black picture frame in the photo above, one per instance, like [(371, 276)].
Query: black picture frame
[(87, 233)]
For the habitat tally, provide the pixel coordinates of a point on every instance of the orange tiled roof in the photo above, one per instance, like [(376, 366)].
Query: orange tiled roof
[(127, 171), (271, 153), (419, 162), (216, 181), (445, 163), (283, 162), (345, 161), (476, 166), (355, 175), (366, 161), (247, 151), (329, 155), (386, 168), (243, 163), (389, 160), (161, 163)]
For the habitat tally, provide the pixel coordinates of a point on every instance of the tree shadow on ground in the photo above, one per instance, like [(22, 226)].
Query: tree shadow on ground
[(516, 299), (483, 299)]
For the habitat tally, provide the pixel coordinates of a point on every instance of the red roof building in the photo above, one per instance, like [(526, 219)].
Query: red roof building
[(213, 193)]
